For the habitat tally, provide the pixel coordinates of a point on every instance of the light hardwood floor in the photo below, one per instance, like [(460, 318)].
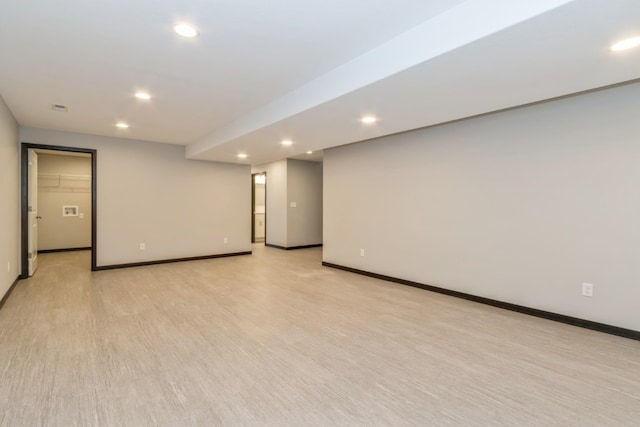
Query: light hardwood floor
[(276, 339)]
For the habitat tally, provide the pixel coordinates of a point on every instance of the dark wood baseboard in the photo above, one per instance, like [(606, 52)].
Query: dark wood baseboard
[(167, 261), (269, 245), (6, 296), (588, 324), (48, 251), (289, 248)]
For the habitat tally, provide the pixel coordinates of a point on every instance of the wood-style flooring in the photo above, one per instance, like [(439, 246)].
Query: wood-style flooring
[(275, 339)]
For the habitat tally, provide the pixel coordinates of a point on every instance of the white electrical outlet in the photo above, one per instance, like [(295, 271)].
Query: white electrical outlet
[(225, 240), (361, 252), (293, 204), (587, 289), (143, 246)]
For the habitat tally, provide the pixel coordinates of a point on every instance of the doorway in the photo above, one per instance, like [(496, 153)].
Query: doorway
[(258, 207), (29, 216)]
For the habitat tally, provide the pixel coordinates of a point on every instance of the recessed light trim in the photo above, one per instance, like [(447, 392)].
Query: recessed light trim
[(368, 120), (626, 44), (186, 30), (143, 95), (286, 142), (122, 125)]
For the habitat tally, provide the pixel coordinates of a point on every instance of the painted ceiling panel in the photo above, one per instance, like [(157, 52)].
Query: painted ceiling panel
[(263, 71)]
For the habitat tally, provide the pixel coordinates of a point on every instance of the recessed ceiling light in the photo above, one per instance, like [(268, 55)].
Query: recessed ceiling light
[(309, 152), (367, 120), (625, 44), (122, 125), (143, 95), (242, 156), (287, 142), (185, 30)]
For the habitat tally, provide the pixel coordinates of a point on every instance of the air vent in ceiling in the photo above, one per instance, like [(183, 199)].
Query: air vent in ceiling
[(60, 108)]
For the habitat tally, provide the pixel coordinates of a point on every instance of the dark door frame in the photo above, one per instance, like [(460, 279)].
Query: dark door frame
[(253, 205), (24, 200)]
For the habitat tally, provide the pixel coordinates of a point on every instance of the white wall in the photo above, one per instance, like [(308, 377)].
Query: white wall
[(149, 193), (9, 197), (521, 206), (56, 231), (260, 196), (304, 188)]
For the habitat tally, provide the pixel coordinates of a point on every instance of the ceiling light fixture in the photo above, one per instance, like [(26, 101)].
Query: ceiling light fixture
[(625, 44), (242, 156), (185, 30), (122, 125), (367, 120), (287, 142), (309, 152), (143, 95)]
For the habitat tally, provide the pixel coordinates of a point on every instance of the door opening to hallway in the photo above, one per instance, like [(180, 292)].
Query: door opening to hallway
[(56, 197), (258, 207)]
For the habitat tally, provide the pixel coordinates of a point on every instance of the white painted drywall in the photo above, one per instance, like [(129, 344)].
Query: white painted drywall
[(304, 188), (56, 231), (9, 197), (260, 196), (521, 206), (149, 193)]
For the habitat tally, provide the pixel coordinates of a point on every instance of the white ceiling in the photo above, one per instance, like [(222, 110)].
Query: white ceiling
[(261, 71)]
